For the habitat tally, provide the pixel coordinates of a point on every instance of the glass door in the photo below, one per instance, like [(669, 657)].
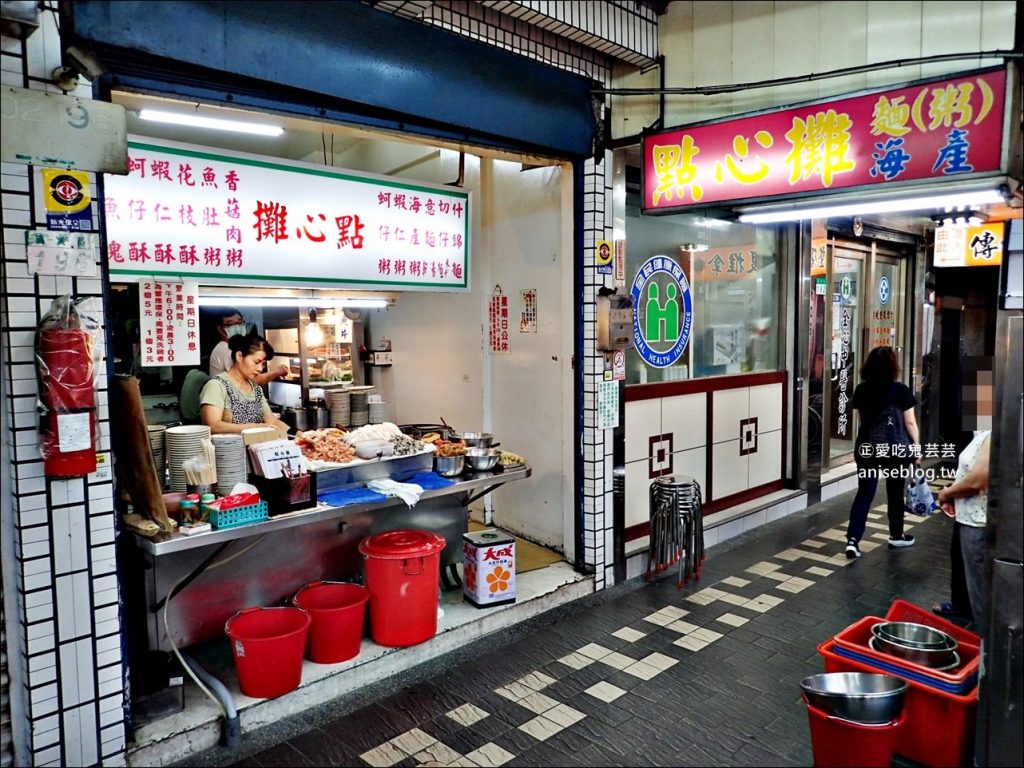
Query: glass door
[(843, 356)]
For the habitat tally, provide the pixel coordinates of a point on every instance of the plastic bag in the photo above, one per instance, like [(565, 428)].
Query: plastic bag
[(919, 497)]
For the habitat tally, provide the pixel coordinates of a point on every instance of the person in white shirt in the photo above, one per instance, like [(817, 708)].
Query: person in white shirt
[(233, 324)]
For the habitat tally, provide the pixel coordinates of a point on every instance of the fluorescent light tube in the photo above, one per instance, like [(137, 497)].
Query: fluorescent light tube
[(195, 121), (288, 301), (868, 207)]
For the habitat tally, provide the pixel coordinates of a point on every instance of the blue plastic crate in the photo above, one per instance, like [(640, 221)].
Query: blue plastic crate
[(231, 518)]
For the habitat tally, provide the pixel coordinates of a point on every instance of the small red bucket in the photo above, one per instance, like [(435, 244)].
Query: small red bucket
[(839, 742), (337, 610), (268, 645)]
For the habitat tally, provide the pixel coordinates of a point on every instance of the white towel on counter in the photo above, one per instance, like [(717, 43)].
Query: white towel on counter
[(408, 492)]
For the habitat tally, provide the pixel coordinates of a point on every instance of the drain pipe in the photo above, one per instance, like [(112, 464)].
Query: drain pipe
[(231, 736)]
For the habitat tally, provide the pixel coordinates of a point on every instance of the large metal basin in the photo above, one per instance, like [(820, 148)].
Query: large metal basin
[(859, 696)]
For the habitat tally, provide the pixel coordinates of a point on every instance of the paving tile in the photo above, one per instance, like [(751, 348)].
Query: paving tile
[(734, 581), (605, 691), (763, 567), (594, 651), (537, 702), (463, 762), (834, 534), (642, 670), (732, 619), (467, 714), (734, 599), (576, 660), (413, 741), (536, 681), (437, 753), (812, 543), (541, 728), (659, 618), (385, 755), (817, 571), (490, 754), (513, 691), (564, 715), (617, 660), (683, 627), (629, 634), (778, 576), (791, 586)]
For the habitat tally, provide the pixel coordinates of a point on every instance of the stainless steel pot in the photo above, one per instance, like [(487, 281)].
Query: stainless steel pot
[(317, 417)]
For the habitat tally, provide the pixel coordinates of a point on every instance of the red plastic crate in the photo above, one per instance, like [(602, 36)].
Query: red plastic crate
[(901, 610), (856, 636), (939, 730)]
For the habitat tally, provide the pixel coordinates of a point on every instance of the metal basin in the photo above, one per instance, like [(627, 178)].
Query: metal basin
[(482, 459), (940, 659), (859, 696), (913, 635), (449, 466), (476, 439)]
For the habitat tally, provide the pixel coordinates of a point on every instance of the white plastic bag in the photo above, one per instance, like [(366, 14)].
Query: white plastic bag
[(919, 497)]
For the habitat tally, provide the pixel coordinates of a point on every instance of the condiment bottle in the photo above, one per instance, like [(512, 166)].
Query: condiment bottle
[(187, 510), (204, 511)]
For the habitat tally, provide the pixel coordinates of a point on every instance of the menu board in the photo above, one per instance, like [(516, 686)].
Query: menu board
[(186, 212), (169, 323)]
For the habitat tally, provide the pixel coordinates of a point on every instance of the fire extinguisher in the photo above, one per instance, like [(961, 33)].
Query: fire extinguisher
[(65, 372)]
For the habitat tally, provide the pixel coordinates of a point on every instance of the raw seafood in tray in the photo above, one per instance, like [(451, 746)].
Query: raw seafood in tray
[(325, 445), (332, 446)]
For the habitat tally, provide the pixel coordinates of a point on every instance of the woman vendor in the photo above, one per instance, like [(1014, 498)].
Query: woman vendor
[(231, 401)]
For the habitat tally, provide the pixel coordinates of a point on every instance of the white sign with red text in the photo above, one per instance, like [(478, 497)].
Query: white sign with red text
[(168, 323), (187, 212)]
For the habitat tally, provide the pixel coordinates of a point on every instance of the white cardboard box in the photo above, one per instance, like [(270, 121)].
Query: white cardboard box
[(489, 567)]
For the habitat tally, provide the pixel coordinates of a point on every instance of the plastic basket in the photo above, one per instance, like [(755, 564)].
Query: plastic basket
[(939, 729), (852, 642), (901, 610), (230, 518)]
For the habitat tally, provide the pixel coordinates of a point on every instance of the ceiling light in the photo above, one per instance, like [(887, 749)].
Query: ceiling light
[(289, 301), (217, 124), (867, 207)]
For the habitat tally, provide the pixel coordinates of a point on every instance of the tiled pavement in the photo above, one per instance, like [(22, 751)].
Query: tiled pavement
[(644, 674)]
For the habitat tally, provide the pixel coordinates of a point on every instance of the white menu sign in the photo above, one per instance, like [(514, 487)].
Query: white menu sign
[(169, 322), (190, 213)]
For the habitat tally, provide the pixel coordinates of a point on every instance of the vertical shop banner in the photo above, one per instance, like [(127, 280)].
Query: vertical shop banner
[(962, 245), (528, 318), (842, 361), (169, 323), (497, 317), (603, 257), (186, 212), (620, 262), (937, 129), (68, 200)]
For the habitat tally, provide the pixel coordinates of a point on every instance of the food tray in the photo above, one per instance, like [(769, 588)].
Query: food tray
[(231, 518), (853, 641)]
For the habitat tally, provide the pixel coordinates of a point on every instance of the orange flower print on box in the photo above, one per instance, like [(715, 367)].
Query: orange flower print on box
[(498, 579), (469, 576)]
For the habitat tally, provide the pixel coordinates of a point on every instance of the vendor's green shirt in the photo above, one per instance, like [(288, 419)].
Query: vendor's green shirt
[(214, 394)]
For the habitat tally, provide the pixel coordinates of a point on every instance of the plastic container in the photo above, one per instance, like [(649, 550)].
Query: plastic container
[(939, 729), (268, 645), (403, 571), (901, 610), (337, 610), (853, 642), (230, 518), (838, 742)]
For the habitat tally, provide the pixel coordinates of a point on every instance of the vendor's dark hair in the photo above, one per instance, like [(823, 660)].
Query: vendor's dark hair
[(881, 366), (249, 344)]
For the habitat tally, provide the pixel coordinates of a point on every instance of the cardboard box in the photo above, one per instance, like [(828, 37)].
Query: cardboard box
[(488, 568)]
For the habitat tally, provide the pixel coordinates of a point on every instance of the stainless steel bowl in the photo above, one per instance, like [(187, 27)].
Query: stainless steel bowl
[(482, 459), (859, 696), (913, 635), (940, 659), (449, 466), (476, 439)]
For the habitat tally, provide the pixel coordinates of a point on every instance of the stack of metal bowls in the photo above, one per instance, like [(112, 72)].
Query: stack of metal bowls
[(449, 466), (916, 643), (862, 697)]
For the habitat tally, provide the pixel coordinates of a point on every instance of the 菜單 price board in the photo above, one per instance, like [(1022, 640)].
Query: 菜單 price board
[(169, 323)]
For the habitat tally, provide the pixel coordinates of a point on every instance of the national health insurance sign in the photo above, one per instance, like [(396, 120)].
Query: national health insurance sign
[(938, 129), (193, 213)]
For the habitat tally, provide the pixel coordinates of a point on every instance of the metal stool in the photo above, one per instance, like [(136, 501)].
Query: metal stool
[(677, 527)]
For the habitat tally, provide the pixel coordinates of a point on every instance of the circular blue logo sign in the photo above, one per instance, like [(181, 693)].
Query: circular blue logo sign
[(662, 311), (883, 289)]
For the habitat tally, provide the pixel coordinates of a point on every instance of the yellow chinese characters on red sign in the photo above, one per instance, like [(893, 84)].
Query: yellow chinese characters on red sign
[(935, 129)]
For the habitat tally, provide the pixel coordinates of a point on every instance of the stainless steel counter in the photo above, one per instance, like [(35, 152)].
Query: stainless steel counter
[(216, 574)]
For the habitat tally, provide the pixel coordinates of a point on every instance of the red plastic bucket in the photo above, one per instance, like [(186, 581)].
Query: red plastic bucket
[(838, 742), (337, 610), (403, 571), (268, 645)]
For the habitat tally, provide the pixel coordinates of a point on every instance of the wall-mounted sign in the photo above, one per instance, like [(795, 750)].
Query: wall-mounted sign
[(187, 212), (883, 290), (662, 311), (935, 129), (961, 245), (497, 320), (67, 199), (620, 262), (603, 257), (169, 323), (62, 131), (528, 317), (732, 263), (72, 254)]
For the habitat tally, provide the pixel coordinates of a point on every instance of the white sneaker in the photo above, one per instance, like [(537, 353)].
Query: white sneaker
[(906, 541), (852, 550)]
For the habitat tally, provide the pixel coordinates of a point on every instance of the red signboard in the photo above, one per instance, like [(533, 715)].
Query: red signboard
[(940, 129)]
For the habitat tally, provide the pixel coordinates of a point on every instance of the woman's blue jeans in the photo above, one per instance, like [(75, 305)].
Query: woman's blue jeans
[(867, 484)]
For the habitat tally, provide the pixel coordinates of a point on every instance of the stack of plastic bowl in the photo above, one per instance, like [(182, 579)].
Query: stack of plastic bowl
[(855, 717)]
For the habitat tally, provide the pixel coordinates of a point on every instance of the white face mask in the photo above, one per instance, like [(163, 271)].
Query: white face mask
[(234, 330)]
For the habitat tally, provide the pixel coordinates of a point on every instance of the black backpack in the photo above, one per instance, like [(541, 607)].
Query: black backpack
[(888, 429)]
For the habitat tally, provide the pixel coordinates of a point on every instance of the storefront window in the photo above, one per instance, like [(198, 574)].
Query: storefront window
[(733, 273)]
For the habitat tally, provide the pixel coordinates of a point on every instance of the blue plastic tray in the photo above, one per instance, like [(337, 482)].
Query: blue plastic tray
[(894, 669)]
